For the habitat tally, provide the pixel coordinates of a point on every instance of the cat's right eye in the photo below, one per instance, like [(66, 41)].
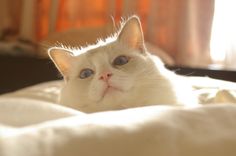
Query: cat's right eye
[(121, 60), (85, 73)]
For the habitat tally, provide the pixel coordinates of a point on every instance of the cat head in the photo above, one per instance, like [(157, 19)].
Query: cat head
[(106, 76)]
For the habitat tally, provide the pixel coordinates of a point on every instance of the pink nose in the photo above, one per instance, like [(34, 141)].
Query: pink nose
[(105, 76)]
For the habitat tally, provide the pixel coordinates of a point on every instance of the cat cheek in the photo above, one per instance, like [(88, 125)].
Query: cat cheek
[(128, 85), (123, 84), (95, 90)]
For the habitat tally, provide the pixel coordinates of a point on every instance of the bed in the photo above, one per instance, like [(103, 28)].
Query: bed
[(32, 123)]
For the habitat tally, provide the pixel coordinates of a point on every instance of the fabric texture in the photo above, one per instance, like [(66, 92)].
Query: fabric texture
[(33, 124)]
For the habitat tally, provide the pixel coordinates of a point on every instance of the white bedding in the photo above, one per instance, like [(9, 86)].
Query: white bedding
[(32, 124)]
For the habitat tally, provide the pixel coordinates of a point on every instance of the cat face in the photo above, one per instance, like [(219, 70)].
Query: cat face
[(111, 76), (106, 75)]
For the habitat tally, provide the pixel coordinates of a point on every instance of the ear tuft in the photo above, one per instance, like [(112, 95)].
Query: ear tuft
[(132, 34), (62, 59)]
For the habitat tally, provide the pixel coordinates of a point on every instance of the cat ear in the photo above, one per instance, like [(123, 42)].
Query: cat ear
[(62, 59), (132, 34)]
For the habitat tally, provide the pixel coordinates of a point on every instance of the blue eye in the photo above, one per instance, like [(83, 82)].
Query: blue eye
[(85, 73), (121, 60)]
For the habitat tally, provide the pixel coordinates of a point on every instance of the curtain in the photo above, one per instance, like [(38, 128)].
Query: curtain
[(182, 28)]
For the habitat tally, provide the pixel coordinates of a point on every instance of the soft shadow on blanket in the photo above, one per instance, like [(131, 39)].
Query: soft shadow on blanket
[(33, 124)]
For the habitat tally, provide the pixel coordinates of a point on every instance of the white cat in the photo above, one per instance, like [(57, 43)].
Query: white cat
[(118, 73)]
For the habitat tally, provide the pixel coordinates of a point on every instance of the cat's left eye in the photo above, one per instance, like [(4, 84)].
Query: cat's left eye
[(121, 60), (85, 73)]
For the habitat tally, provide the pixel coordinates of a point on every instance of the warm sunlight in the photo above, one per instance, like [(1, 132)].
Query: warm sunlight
[(223, 42)]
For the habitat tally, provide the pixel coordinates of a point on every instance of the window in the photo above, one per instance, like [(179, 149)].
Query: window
[(223, 39)]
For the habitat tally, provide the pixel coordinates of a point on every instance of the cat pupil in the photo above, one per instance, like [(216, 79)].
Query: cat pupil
[(121, 60), (85, 73)]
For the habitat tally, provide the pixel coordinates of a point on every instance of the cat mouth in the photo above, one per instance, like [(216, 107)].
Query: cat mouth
[(110, 90)]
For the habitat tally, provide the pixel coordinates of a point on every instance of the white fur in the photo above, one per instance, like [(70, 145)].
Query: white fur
[(142, 81)]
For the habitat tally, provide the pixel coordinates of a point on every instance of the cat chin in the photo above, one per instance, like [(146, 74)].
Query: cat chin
[(109, 91), (109, 102), (110, 95)]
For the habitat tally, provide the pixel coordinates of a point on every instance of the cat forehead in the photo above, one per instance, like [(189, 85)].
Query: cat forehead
[(93, 55), (101, 51), (98, 51)]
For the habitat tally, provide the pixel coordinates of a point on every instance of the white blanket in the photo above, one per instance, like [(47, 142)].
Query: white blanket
[(32, 124)]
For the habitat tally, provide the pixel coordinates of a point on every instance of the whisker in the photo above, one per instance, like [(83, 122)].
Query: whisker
[(189, 74), (176, 70)]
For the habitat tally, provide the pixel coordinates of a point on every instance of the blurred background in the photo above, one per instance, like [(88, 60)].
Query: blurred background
[(184, 33), (190, 32)]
